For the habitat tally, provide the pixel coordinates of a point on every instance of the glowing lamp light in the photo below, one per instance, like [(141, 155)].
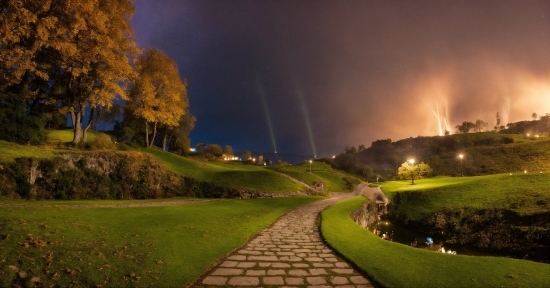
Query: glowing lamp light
[(411, 161)]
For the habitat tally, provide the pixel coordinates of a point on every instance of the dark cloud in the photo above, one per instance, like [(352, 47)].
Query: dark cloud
[(363, 70)]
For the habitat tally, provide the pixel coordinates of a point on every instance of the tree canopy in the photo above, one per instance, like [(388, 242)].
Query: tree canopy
[(71, 53), (409, 170), (158, 95)]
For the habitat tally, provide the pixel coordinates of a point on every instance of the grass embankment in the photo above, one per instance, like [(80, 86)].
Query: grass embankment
[(75, 243), (65, 136), (332, 179), (226, 173), (524, 193), (10, 151), (234, 175), (396, 265)]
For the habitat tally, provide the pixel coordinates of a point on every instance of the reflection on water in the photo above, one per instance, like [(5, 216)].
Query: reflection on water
[(401, 234)]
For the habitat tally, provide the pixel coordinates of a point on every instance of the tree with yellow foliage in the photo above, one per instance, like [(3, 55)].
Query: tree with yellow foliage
[(78, 51), (158, 95)]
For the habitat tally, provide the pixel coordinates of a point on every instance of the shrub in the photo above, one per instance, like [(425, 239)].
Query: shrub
[(101, 142), (351, 182)]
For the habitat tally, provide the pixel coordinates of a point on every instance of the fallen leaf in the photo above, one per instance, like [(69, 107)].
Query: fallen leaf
[(22, 274)]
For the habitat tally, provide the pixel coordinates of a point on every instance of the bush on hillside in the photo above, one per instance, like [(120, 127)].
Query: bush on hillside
[(101, 142), (351, 182)]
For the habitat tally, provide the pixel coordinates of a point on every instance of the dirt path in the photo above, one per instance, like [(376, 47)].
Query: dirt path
[(289, 253)]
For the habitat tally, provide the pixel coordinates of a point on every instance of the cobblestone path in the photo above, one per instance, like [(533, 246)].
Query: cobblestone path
[(290, 253)]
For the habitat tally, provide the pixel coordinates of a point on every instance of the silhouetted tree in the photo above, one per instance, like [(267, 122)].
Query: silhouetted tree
[(367, 172), (480, 125), (465, 127), (228, 150), (497, 125), (213, 150)]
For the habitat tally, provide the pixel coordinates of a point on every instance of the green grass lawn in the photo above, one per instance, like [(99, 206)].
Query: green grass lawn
[(76, 243), (524, 193), (10, 151), (396, 265), (65, 136)]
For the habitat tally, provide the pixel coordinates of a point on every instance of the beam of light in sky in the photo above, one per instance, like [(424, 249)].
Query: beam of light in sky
[(445, 119), (306, 116), (441, 119), (447, 128), (436, 114), (263, 96)]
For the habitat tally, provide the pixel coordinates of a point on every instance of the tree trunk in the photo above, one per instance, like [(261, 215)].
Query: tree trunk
[(154, 134), (77, 127), (164, 140), (146, 134), (90, 121)]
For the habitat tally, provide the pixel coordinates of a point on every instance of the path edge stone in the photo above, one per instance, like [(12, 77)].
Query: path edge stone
[(351, 263)]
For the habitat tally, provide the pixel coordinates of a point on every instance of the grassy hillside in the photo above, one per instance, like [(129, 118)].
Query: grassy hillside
[(484, 153), (525, 194), (227, 174), (64, 136), (333, 180), (9, 151)]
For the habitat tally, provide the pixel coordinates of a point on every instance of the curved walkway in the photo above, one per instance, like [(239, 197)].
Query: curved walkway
[(289, 253)]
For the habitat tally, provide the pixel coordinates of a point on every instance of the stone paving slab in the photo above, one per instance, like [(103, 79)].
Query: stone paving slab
[(290, 253)]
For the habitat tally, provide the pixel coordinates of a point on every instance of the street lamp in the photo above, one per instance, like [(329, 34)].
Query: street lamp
[(461, 156), (411, 161), (309, 165)]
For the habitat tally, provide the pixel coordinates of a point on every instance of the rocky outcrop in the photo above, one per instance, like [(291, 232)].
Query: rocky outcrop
[(366, 216)]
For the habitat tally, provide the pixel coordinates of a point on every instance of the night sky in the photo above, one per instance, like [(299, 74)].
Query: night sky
[(311, 77)]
